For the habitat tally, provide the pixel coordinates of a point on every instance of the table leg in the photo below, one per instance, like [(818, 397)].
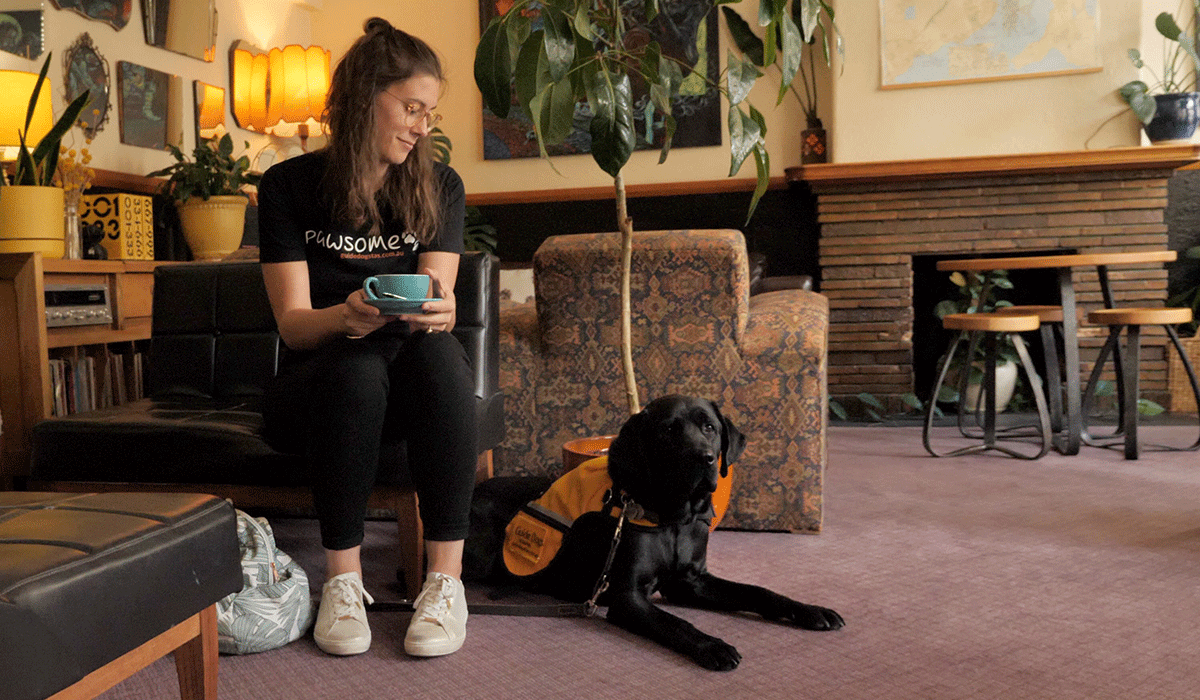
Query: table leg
[(1068, 443)]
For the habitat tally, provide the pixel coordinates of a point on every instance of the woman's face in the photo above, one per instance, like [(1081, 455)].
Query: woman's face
[(402, 112)]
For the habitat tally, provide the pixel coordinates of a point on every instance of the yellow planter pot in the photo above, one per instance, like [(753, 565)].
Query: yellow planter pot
[(213, 227), (31, 219)]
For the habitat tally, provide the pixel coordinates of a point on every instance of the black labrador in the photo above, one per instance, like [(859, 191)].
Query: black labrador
[(665, 459)]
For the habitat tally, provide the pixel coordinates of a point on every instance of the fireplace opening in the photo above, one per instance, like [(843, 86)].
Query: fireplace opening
[(930, 287)]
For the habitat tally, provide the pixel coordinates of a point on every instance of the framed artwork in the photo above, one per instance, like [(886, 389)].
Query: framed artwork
[(149, 106), (85, 69), (114, 13), (924, 43), (687, 31), (210, 110), (21, 32)]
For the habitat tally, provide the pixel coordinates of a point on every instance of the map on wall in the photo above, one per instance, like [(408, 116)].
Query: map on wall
[(952, 41)]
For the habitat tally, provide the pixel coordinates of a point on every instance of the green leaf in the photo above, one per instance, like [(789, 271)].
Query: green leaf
[(1135, 57), (838, 410), (559, 42), (1165, 24), (807, 13), (745, 39), (225, 146), (766, 11), (1146, 407), (791, 51), (1188, 44), (493, 69), (668, 135), (613, 138), (740, 76), (744, 134), (910, 399), (527, 71), (556, 111), (583, 22), (762, 168), (870, 400), (651, 10)]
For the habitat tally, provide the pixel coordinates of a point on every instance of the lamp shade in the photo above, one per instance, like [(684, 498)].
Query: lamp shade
[(211, 112), (299, 85), (16, 87)]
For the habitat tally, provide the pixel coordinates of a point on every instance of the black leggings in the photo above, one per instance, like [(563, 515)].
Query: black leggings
[(336, 404)]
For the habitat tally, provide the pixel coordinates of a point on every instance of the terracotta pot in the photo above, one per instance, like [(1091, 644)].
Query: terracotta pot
[(213, 227)]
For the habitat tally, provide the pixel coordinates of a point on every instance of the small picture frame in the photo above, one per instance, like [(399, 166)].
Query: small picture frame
[(85, 69), (150, 106)]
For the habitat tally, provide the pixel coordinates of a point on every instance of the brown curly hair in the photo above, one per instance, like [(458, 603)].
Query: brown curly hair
[(380, 57)]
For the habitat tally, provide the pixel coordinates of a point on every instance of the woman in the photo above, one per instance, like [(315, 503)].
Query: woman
[(372, 202)]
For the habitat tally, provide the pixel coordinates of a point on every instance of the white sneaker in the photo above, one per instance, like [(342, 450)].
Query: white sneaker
[(439, 625), (341, 626)]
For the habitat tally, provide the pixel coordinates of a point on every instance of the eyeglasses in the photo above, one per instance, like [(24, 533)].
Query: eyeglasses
[(415, 113)]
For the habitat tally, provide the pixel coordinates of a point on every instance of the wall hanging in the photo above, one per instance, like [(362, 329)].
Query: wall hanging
[(85, 69), (114, 13), (150, 106), (925, 42)]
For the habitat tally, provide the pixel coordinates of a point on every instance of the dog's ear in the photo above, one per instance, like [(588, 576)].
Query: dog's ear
[(732, 441), (625, 452)]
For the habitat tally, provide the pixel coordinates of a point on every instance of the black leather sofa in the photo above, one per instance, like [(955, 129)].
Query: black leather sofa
[(213, 347)]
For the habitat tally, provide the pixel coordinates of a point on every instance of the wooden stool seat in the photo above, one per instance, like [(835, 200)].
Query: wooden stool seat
[(1045, 314), (991, 322), (1152, 316)]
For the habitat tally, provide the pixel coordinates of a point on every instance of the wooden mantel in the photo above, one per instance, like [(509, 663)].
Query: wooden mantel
[(1125, 158)]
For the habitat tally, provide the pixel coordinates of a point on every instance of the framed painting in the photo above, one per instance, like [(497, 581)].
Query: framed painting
[(687, 31), (85, 69), (114, 13), (149, 106), (21, 31)]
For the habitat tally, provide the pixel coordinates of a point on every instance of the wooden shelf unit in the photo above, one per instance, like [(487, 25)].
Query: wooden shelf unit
[(26, 344)]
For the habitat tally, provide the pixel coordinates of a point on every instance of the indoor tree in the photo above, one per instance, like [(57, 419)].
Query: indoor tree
[(551, 54)]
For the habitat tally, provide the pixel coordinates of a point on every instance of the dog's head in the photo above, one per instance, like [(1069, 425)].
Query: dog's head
[(666, 456)]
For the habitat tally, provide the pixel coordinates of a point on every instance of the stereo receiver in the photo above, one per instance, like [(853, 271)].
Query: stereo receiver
[(77, 305)]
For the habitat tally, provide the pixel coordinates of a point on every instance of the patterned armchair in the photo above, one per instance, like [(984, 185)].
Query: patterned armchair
[(697, 331)]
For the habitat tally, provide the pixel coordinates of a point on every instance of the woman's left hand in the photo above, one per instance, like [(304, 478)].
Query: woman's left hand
[(438, 315)]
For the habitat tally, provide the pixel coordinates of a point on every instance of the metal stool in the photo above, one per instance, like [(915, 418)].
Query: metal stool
[(989, 325), (1127, 363)]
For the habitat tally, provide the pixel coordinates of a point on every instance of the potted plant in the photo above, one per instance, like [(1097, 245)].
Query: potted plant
[(813, 142), (208, 193), (1170, 108), (579, 52), (969, 292), (31, 207)]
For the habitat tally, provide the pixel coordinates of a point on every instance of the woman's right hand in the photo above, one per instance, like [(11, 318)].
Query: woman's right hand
[(360, 317)]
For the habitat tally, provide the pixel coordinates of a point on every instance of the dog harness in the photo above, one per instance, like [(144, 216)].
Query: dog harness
[(535, 535)]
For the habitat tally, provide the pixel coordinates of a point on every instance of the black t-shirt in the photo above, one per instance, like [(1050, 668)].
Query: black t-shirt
[(295, 223)]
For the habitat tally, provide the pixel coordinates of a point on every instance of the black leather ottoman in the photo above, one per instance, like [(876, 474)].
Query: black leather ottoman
[(95, 587)]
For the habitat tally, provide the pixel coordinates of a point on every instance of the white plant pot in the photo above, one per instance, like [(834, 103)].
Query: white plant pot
[(1006, 384), (213, 227)]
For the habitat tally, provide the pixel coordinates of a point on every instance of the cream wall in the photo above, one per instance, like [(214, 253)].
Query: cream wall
[(452, 28), (1027, 115), (265, 23)]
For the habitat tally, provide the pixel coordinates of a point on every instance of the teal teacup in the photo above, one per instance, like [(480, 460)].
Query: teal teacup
[(393, 286)]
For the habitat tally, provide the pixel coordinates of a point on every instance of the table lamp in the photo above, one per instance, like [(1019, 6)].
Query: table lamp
[(16, 87)]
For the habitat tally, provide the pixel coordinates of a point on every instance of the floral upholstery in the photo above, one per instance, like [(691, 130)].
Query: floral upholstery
[(696, 331)]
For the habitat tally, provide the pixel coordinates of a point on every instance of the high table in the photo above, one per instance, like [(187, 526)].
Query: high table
[(1069, 442)]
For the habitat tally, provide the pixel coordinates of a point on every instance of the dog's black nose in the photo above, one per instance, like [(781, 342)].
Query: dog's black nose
[(709, 458)]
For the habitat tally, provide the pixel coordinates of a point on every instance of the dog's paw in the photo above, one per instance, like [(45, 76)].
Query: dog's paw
[(814, 617), (715, 655)]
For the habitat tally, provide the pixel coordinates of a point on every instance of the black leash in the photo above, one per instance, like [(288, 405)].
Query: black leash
[(629, 509)]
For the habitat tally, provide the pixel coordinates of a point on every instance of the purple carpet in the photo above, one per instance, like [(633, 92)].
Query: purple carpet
[(970, 577)]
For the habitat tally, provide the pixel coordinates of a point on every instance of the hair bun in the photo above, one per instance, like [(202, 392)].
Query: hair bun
[(376, 24)]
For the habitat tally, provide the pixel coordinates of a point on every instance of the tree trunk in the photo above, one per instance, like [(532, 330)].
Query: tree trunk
[(625, 224)]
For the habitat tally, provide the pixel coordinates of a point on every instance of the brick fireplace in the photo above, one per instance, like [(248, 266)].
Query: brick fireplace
[(875, 218)]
